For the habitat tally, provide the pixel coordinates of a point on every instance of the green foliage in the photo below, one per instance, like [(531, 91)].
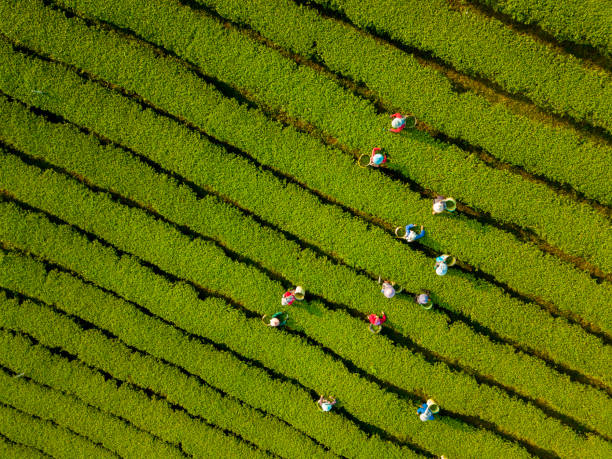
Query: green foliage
[(46, 436), (182, 257), (398, 78), (150, 414), (178, 304), (112, 168), (583, 22), (302, 92), (147, 371), (87, 421), (286, 354), (485, 47), (144, 131), (11, 450)]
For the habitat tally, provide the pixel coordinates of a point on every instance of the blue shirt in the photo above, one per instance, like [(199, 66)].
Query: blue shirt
[(418, 236)]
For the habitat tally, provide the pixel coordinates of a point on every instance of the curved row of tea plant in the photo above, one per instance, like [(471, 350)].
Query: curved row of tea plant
[(495, 253), (46, 436), (155, 415), (398, 78), (327, 349), (86, 381), (181, 256), (276, 349), (91, 423), (169, 343), (583, 22), (114, 169), (255, 340), (485, 47), (303, 93), (131, 130)]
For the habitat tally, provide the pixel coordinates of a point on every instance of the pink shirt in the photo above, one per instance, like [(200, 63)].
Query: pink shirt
[(375, 320)]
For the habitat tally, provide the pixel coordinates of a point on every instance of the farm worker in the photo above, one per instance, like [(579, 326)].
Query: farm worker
[(288, 298), (441, 266), (398, 122), (325, 404), (387, 289), (377, 159), (443, 262), (441, 204), (375, 320), (427, 410), (438, 205), (423, 298), (411, 235), (278, 319), (425, 414)]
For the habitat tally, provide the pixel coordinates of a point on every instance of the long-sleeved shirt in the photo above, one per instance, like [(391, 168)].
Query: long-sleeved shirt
[(418, 236), (403, 125), (375, 320), (422, 410)]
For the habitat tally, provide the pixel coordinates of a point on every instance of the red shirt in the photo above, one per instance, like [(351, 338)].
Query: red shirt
[(399, 129), (289, 297), (375, 320)]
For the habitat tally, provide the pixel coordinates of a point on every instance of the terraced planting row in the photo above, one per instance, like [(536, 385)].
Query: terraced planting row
[(212, 441), (169, 169), (9, 448), (557, 154), (583, 22), (274, 130), (223, 275), (352, 121), (410, 282), (176, 380), (210, 405), (234, 379), (117, 171), (485, 47), (155, 414), (394, 414)]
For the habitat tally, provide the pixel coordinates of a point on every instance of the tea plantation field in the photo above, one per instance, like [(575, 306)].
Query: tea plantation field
[(170, 168)]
